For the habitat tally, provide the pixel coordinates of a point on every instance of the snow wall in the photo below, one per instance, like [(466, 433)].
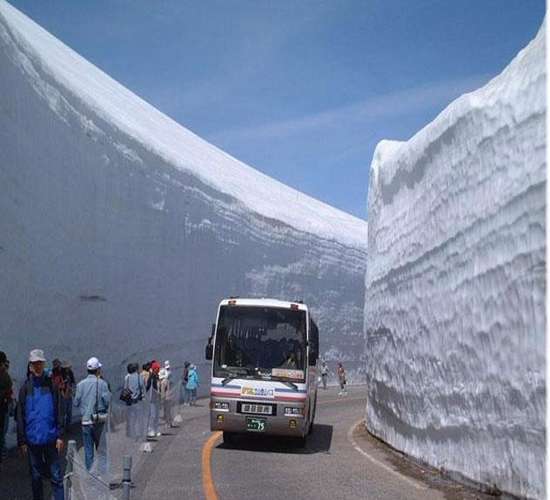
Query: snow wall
[(120, 230), (455, 284)]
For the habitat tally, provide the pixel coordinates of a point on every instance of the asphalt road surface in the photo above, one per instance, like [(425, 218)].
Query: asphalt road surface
[(340, 461)]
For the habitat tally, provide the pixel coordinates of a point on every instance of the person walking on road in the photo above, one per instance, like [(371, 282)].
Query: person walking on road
[(342, 379), (40, 427), (184, 394), (324, 374), (6, 391), (192, 385), (153, 391), (133, 383), (166, 394), (93, 398), (68, 391)]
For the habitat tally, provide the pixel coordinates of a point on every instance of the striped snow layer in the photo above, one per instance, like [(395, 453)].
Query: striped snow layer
[(455, 287)]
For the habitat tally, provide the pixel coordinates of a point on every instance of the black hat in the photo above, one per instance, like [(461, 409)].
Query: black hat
[(3, 357)]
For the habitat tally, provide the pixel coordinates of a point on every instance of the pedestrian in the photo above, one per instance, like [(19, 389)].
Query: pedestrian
[(153, 391), (166, 394), (58, 380), (192, 384), (184, 393), (341, 372), (324, 374), (68, 391), (145, 371), (6, 398), (40, 427), (133, 383), (93, 398)]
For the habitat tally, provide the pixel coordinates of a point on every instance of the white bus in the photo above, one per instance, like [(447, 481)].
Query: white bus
[(264, 370)]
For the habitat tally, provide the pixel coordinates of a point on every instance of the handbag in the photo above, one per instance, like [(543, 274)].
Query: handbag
[(98, 417), (126, 393)]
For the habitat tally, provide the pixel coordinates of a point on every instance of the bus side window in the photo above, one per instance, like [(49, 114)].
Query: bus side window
[(313, 343)]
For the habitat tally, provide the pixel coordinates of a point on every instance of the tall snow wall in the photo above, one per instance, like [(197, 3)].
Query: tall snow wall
[(455, 284), (120, 230)]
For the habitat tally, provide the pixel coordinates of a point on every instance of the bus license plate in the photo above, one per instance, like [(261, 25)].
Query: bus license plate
[(255, 424), (255, 408)]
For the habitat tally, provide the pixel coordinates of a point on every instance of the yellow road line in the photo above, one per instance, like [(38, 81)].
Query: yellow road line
[(207, 483)]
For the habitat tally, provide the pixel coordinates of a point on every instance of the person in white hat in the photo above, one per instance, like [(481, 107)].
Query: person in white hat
[(40, 427), (93, 398)]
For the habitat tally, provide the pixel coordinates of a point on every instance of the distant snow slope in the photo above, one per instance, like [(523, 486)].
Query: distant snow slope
[(120, 230), (455, 288)]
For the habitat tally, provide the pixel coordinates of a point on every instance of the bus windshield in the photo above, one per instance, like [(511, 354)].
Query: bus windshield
[(260, 342)]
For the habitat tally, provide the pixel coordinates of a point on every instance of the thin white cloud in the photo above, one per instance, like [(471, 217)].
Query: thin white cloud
[(384, 106)]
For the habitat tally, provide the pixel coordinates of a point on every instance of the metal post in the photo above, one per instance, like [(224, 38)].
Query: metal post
[(71, 451), (126, 476)]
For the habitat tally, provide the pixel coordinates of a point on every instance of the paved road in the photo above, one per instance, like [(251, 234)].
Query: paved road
[(340, 461)]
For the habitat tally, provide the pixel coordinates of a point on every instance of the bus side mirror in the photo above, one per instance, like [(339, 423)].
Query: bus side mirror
[(209, 350)]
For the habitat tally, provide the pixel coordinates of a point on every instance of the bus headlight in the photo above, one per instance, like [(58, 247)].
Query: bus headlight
[(294, 412), (221, 406)]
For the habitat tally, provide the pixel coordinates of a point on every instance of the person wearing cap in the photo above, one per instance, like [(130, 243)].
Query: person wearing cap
[(6, 391), (192, 385), (40, 427), (93, 398)]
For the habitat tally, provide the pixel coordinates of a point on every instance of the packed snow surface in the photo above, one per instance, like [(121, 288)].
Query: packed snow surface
[(455, 287), (120, 230), (172, 142)]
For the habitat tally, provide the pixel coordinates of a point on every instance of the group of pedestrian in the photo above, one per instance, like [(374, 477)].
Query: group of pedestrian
[(43, 410), (156, 388), (340, 373)]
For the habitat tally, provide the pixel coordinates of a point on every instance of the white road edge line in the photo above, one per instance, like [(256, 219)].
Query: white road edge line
[(377, 462)]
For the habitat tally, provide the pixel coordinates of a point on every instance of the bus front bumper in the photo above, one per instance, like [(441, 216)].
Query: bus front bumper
[(278, 425)]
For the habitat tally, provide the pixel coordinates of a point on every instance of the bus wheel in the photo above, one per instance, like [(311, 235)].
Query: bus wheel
[(301, 441), (228, 438)]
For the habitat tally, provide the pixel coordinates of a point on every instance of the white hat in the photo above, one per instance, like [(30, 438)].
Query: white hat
[(36, 355), (93, 364), (167, 364)]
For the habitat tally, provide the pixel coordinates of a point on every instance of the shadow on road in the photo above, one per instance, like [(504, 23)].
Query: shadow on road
[(319, 441)]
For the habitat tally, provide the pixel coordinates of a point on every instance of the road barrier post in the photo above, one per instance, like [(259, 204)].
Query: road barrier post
[(71, 451), (127, 476)]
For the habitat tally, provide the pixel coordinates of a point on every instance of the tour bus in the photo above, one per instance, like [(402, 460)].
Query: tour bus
[(264, 370)]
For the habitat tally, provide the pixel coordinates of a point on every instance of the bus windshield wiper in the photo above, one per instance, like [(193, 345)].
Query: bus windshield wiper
[(233, 374), (288, 383)]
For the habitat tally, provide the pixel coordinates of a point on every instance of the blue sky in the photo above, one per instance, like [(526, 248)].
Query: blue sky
[(301, 90)]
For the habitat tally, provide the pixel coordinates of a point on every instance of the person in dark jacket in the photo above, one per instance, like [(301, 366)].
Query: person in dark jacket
[(5, 398), (40, 427), (184, 394)]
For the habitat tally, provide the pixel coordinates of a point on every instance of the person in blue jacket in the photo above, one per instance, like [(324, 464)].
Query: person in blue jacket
[(93, 398), (40, 427), (192, 384)]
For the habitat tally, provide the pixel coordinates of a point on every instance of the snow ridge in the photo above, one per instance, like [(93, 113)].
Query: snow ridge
[(120, 248), (455, 284), (176, 144)]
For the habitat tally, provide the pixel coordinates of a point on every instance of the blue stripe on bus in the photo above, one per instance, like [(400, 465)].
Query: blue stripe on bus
[(278, 389)]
